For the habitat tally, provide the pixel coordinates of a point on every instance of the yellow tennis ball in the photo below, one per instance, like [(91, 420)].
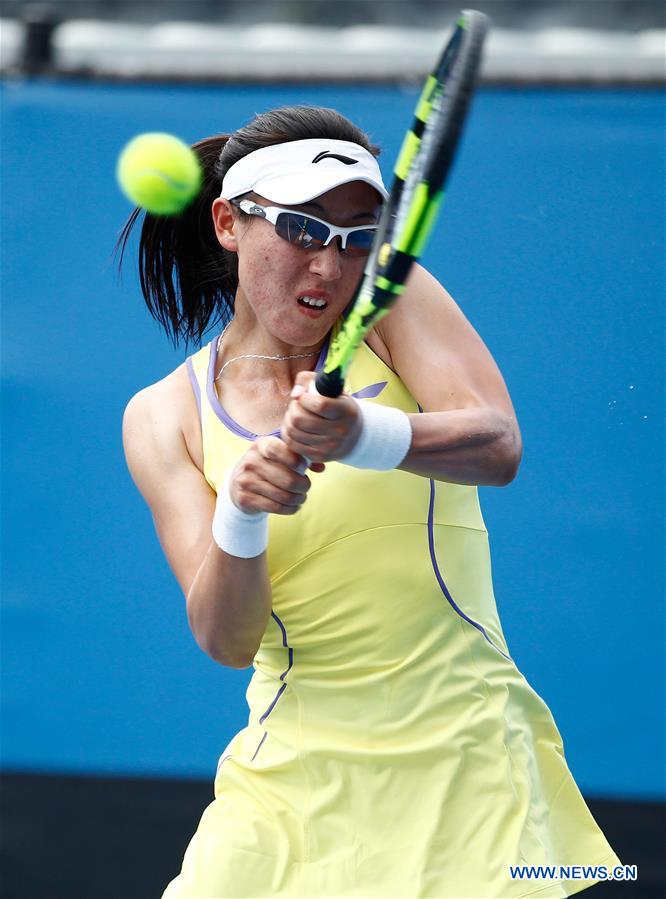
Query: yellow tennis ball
[(159, 172)]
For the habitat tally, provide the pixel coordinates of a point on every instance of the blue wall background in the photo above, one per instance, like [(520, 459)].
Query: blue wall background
[(552, 241)]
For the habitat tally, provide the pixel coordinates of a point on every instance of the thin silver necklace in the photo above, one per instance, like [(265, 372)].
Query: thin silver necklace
[(256, 355)]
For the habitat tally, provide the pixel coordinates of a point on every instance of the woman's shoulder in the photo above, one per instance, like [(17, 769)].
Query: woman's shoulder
[(390, 333), (166, 412), (378, 346), (166, 396)]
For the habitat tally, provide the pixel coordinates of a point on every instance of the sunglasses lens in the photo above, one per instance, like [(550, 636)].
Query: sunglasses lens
[(359, 243), (301, 231), (309, 234)]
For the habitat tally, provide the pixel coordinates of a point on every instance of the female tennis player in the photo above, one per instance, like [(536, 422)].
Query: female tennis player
[(393, 749)]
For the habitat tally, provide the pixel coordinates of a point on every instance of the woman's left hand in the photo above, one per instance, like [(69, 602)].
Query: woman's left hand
[(318, 427)]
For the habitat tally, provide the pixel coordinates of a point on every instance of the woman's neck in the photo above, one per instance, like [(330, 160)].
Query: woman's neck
[(251, 354)]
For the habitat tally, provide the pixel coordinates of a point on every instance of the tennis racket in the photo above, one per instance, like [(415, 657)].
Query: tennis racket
[(416, 195)]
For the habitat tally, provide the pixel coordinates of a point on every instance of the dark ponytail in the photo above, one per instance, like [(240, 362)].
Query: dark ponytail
[(188, 280)]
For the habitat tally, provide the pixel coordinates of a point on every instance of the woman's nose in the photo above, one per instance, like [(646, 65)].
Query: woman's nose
[(326, 261)]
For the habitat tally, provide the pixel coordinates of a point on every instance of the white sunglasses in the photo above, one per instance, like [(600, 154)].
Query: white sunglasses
[(310, 233)]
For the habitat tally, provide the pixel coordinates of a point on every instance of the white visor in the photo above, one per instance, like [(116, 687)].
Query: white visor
[(300, 170)]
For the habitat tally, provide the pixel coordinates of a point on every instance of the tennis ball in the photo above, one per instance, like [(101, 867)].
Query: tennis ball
[(159, 172)]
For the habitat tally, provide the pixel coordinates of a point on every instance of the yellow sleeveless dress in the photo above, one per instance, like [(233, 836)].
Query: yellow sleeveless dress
[(393, 749)]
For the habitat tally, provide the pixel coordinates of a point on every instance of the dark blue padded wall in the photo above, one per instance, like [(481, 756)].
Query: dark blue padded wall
[(552, 241)]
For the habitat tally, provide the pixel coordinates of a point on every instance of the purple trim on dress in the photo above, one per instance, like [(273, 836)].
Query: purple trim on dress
[(438, 575), (259, 746), (273, 704), (371, 391), (194, 383), (219, 409), (282, 677), (222, 761), (286, 645)]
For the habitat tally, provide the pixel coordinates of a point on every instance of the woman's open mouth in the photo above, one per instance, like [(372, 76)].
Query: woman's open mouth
[(313, 305)]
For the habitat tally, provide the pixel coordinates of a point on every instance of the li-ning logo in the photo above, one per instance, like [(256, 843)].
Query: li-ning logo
[(327, 155)]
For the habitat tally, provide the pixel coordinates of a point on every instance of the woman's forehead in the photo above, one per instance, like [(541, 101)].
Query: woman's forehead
[(355, 199)]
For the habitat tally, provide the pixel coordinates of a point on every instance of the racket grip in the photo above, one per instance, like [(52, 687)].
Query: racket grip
[(303, 467), (329, 383)]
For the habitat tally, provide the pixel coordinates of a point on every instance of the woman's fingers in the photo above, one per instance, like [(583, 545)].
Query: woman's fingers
[(262, 496), (321, 428), (267, 478), (273, 449)]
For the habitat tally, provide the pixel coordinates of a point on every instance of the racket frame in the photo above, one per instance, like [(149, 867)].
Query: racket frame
[(420, 172)]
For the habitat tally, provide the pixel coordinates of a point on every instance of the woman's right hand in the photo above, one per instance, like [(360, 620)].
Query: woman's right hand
[(268, 478)]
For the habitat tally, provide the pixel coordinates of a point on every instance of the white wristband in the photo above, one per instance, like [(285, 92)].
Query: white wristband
[(242, 534), (386, 437)]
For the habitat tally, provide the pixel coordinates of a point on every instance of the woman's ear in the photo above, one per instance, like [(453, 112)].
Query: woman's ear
[(225, 223)]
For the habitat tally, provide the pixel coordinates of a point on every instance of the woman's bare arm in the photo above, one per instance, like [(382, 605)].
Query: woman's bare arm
[(228, 598), (467, 433)]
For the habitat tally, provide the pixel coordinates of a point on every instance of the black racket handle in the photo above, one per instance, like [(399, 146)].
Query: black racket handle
[(329, 383)]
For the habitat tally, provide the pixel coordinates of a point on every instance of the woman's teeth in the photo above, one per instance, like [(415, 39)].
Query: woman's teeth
[(312, 302)]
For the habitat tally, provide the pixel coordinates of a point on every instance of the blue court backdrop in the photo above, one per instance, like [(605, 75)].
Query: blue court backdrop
[(552, 242)]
